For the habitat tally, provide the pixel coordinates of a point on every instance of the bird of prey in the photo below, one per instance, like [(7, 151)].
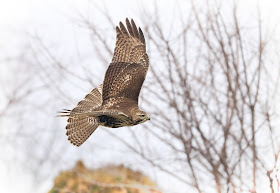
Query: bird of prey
[(115, 102)]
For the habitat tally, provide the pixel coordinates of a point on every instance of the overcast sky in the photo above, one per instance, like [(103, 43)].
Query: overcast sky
[(43, 17)]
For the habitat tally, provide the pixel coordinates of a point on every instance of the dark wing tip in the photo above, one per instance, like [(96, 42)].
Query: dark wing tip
[(130, 30), (141, 36), (123, 29), (129, 27), (118, 31), (127, 21), (134, 29)]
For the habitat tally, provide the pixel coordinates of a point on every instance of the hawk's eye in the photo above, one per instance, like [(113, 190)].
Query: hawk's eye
[(142, 115)]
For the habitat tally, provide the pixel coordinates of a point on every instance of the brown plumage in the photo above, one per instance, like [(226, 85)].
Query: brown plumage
[(115, 102)]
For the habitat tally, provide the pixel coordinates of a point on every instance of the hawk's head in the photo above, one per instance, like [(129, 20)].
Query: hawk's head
[(139, 116)]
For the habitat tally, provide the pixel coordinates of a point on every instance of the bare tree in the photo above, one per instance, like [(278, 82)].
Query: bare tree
[(210, 95)]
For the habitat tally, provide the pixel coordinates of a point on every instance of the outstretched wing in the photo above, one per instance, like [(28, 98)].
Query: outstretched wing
[(126, 74)]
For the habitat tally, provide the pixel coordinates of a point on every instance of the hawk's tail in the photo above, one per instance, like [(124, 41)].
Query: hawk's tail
[(81, 125), (78, 130)]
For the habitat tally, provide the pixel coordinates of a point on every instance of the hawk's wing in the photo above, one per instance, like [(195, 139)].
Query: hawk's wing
[(126, 74)]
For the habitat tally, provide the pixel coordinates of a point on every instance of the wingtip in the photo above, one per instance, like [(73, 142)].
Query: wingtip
[(117, 30), (141, 36), (123, 28)]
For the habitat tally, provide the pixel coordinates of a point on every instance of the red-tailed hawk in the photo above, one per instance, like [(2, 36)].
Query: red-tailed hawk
[(115, 102)]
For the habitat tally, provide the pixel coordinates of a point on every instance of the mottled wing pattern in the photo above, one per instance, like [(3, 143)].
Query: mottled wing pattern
[(80, 128), (123, 80), (125, 75), (130, 45)]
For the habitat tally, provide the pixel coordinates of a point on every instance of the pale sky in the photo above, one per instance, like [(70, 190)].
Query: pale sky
[(42, 17)]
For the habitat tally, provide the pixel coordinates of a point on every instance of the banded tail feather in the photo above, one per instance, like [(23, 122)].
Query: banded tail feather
[(80, 125)]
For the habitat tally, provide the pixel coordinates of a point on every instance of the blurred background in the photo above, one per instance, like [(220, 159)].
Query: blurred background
[(212, 92)]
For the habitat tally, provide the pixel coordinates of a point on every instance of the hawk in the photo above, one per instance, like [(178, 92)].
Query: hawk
[(115, 102)]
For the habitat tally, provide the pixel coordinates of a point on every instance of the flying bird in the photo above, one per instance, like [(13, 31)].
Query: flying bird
[(115, 102)]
